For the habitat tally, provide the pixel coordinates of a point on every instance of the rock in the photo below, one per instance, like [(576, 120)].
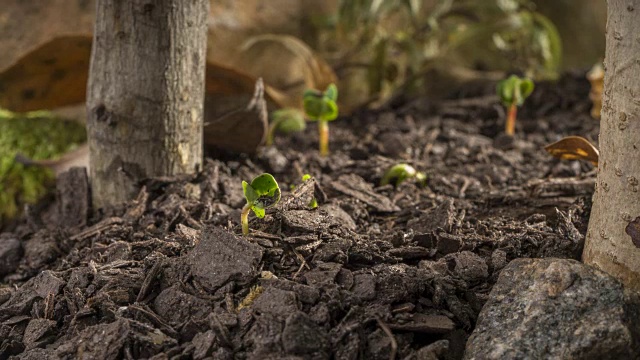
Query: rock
[(220, 257), (10, 253), (552, 308)]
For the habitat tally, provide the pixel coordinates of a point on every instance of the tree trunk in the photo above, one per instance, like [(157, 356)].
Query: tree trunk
[(145, 94), (616, 201)]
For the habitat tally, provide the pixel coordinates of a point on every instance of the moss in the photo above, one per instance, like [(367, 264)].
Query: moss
[(38, 135)]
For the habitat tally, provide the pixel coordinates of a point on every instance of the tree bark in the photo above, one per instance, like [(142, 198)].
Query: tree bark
[(616, 201), (145, 93)]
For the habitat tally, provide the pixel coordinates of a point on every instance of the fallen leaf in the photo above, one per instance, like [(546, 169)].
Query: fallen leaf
[(55, 75), (633, 230), (78, 157), (243, 127), (574, 148)]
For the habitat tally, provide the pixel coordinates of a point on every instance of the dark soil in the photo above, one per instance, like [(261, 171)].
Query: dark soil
[(373, 272)]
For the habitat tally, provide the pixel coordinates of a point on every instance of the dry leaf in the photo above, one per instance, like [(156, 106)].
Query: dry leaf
[(50, 76), (242, 128), (55, 75), (574, 148), (78, 157)]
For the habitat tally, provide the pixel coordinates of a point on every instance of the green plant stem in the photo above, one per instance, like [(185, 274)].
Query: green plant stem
[(244, 218), (272, 129), (323, 131), (510, 128)]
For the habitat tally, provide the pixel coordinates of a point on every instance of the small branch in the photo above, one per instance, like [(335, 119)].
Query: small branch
[(394, 344)]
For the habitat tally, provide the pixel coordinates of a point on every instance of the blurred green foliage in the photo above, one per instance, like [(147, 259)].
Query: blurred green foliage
[(399, 41), (37, 135)]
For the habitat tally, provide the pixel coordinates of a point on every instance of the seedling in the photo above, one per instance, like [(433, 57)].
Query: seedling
[(287, 121), (512, 92), (313, 203), (262, 193), (574, 148), (401, 172), (322, 107)]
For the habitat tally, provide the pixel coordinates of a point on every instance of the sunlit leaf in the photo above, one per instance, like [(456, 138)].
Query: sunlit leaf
[(574, 148)]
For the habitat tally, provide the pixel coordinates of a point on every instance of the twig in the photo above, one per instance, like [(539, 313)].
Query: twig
[(394, 344)]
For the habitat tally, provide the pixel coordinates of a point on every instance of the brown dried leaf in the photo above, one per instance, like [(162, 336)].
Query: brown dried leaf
[(55, 75), (574, 148), (50, 76)]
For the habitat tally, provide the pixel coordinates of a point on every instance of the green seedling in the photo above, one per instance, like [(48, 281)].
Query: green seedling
[(287, 121), (322, 107), (262, 193), (512, 92), (313, 203), (401, 172)]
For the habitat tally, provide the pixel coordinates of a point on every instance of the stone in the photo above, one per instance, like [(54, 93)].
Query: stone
[(556, 309)]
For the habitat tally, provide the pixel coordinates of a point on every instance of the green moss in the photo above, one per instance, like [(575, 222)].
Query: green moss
[(38, 135)]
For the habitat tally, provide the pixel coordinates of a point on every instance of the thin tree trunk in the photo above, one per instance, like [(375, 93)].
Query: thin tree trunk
[(145, 93), (617, 198)]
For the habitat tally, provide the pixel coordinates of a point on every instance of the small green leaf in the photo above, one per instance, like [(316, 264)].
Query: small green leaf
[(259, 211), (514, 90), (526, 88), (330, 112), (321, 106), (332, 92), (267, 189), (313, 106), (399, 173), (249, 192), (288, 120), (306, 177)]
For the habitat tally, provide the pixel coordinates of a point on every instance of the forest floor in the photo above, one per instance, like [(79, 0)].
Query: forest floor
[(374, 272)]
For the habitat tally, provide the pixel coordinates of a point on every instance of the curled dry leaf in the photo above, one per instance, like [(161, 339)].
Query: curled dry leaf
[(574, 148), (55, 75)]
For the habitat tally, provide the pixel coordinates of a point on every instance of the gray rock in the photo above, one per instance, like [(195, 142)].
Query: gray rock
[(556, 309), (10, 254)]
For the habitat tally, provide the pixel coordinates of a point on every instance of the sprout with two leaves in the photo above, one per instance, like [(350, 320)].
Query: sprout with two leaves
[(262, 193), (401, 172), (322, 107), (512, 92), (287, 121)]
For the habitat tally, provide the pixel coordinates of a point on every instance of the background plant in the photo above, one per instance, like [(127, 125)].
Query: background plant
[(397, 42), (322, 107), (38, 135)]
